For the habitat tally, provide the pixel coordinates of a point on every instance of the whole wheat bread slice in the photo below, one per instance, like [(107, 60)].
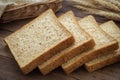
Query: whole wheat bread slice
[(112, 29), (38, 41), (83, 41), (104, 44)]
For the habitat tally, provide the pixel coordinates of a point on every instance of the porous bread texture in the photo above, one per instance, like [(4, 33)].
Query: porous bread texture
[(83, 41), (38, 40), (112, 29), (104, 44)]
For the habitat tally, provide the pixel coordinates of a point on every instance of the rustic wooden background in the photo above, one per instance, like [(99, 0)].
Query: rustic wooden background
[(9, 69)]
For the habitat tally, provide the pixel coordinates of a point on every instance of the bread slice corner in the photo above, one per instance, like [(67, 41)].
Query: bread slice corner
[(83, 41), (104, 44), (112, 29), (38, 41)]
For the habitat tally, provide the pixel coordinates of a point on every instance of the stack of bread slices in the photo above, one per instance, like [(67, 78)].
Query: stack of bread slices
[(48, 42)]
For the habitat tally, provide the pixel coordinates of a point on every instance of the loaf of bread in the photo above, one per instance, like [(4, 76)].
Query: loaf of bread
[(29, 10), (112, 29), (104, 44), (83, 41), (38, 41)]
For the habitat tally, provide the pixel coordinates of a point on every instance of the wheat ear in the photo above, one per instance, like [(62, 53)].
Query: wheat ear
[(87, 3), (107, 4), (107, 14), (115, 2)]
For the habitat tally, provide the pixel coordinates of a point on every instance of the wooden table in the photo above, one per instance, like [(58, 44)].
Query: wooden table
[(9, 69)]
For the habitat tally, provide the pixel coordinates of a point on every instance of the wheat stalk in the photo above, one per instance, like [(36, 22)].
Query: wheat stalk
[(87, 3), (107, 4), (98, 4), (115, 2), (106, 14)]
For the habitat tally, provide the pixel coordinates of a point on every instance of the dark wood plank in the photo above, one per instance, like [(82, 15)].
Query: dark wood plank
[(9, 69), (4, 33), (102, 74), (111, 70), (2, 43), (4, 51), (15, 25)]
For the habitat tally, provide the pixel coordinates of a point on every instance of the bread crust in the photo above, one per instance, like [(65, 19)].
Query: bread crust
[(87, 56), (47, 54), (64, 56), (108, 59), (61, 58)]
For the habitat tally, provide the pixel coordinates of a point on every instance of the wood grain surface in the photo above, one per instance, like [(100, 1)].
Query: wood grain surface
[(9, 69)]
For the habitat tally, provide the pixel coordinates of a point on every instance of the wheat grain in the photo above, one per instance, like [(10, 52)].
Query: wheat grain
[(107, 4), (87, 3), (107, 14), (115, 2)]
